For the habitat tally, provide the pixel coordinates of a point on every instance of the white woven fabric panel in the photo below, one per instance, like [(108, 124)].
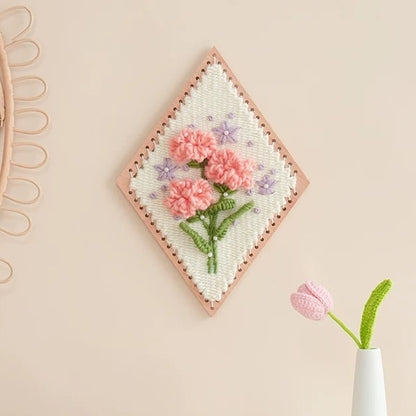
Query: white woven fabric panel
[(213, 100)]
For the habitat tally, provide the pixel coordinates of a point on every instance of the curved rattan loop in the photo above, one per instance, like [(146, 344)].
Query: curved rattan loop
[(17, 233), (29, 24), (32, 110), (10, 275), (22, 42), (30, 144), (7, 123), (30, 78), (22, 201)]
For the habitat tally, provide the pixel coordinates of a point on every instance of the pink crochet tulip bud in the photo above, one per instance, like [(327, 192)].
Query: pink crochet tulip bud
[(312, 301)]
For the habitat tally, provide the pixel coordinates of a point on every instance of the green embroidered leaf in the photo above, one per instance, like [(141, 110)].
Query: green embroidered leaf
[(195, 218), (197, 239), (370, 312), (226, 223), (221, 205)]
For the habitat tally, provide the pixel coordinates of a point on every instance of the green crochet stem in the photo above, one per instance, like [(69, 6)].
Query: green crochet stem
[(346, 329), (369, 315)]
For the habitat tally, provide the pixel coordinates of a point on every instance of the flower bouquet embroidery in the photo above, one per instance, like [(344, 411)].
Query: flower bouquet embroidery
[(222, 171)]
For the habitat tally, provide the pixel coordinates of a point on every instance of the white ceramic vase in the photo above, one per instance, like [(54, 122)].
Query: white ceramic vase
[(369, 397)]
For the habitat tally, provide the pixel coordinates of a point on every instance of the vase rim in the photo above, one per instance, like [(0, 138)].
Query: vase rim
[(369, 349)]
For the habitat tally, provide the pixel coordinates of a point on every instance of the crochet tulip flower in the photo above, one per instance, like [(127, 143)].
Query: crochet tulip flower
[(314, 302)]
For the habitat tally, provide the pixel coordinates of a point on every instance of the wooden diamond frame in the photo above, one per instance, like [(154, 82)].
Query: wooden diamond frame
[(151, 143)]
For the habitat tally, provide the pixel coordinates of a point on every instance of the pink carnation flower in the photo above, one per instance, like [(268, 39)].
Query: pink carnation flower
[(187, 196), (191, 144), (227, 168)]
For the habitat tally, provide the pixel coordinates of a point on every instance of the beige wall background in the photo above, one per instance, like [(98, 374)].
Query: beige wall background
[(98, 322)]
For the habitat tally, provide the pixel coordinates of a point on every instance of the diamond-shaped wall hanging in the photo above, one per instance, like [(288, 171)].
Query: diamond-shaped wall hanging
[(212, 182)]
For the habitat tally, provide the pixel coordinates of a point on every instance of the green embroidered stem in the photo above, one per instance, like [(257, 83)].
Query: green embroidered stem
[(197, 239), (226, 223), (205, 224), (370, 312), (200, 165), (212, 260), (223, 189), (203, 164), (220, 188), (346, 329), (215, 256), (214, 234), (210, 264), (197, 218)]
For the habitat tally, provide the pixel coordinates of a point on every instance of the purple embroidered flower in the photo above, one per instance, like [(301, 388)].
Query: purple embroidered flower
[(250, 143), (164, 188), (226, 133), (177, 217), (230, 115), (191, 126), (166, 170), (210, 118), (185, 168), (260, 167), (256, 210), (266, 185), (249, 192), (153, 195), (272, 171)]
